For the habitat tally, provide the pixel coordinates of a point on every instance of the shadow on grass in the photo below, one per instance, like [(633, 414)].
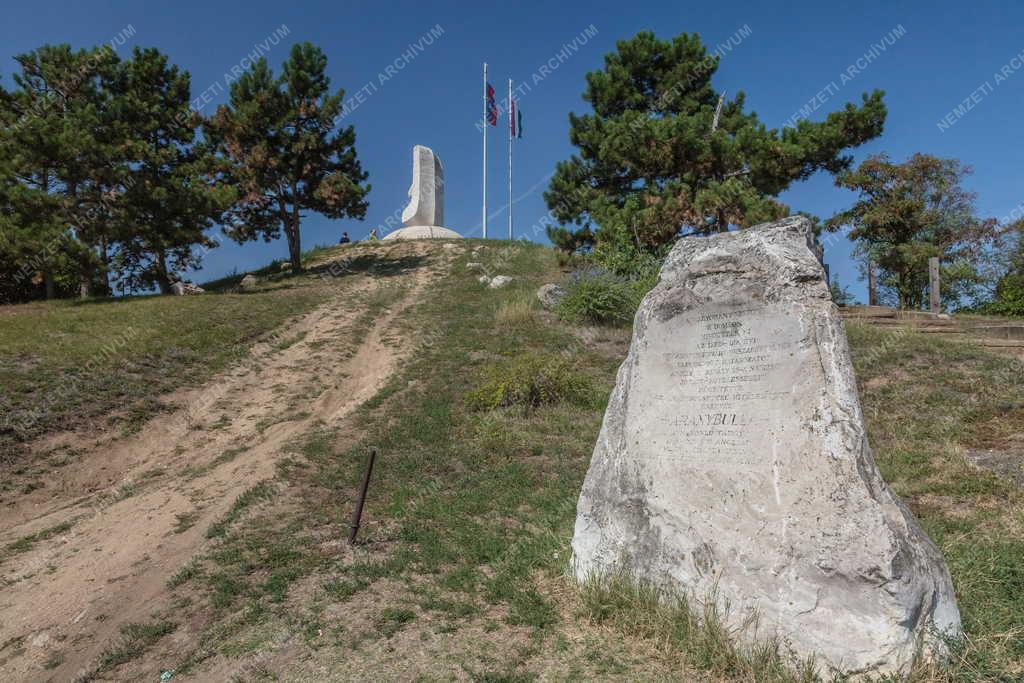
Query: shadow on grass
[(374, 265)]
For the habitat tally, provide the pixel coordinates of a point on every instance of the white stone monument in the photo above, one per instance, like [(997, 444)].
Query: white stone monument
[(733, 463), (423, 217)]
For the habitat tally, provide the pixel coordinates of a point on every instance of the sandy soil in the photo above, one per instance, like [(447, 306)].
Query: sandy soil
[(127, 496)]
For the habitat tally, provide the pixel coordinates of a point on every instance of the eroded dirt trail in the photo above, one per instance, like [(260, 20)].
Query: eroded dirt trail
[(140, 506)]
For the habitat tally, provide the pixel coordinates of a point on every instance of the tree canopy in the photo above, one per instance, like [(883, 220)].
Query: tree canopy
[(664, 153), (282, 153), (909, 212), (104, 179)]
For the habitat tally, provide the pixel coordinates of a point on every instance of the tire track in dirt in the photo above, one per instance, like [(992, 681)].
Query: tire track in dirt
[(72, 593)]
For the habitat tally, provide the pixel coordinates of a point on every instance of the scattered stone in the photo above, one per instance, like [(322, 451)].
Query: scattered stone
[(733, 463), (483, 279), (1006, 461), (550, 295), (499, 281), (248, 282), (475, 267), (185, 288)]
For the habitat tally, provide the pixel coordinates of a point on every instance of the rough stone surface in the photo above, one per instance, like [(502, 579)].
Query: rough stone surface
[(499, 281), (475, 267), (186, 288), (422, 232), (550, 295), (248, 282), (483, 279), (733, 463)]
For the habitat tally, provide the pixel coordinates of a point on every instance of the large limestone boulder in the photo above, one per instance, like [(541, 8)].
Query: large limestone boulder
[(733, 462)]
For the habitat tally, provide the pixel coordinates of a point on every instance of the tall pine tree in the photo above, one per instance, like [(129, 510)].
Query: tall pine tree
[(283, 154), (59, 150), (663, 153), (169, 198)]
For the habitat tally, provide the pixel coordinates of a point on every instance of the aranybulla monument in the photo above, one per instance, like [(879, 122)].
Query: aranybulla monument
[(733, 464), (423, 217)]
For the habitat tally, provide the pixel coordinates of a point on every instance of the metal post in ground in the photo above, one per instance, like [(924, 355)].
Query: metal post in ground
[(357, 513)]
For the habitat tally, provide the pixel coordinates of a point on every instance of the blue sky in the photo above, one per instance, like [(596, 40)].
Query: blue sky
[(793, 53)]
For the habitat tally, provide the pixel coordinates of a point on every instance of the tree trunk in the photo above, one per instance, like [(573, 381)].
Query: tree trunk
[(295, 238), (163, 279), (294, 247), (51, 288), (85, 272), (105, 260)]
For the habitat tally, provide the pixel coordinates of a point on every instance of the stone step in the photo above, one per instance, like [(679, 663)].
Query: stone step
[(1000, 343)]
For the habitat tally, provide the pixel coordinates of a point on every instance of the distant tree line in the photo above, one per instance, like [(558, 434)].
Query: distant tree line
[(110, 181)]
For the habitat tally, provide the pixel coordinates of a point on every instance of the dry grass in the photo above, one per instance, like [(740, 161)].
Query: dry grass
[(517, 313)]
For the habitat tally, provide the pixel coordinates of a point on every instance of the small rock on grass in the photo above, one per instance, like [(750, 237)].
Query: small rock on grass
[(550, 295), (499, 281)]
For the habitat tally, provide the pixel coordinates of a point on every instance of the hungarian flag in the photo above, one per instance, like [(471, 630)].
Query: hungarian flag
[(515, 120), (492, 108)]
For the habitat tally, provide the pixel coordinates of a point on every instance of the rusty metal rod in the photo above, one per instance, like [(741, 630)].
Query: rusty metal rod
[(353, 528)]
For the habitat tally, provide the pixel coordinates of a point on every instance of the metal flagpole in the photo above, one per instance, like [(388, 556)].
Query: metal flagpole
[(486, 123), (511, 123)]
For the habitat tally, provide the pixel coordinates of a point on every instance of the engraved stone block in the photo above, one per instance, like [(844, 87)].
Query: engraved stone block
[(733, 462)]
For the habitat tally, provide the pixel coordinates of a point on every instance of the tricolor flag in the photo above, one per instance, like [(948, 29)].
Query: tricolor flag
[(515, 120), (492, 108)]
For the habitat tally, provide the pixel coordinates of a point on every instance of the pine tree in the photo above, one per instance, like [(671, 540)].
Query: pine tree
[(169, 199), (282, 153), (655, 160), (910, 212), (59, 155)]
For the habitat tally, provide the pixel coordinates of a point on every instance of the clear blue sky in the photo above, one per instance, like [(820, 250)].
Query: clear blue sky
[(794, 52)]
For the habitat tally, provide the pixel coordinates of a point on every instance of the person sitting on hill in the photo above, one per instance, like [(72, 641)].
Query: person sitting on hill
[(344, 238)]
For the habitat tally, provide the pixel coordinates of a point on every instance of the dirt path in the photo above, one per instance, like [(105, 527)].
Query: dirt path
[(139, 507)]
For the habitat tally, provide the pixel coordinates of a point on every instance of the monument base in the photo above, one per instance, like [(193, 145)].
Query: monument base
[(423, 232)]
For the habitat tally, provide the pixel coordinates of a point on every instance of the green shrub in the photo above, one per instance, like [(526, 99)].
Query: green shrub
[(531, 381), (1009, 298), (604, 299)]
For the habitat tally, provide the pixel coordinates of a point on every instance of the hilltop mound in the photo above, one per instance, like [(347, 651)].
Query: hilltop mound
[(181, 502)]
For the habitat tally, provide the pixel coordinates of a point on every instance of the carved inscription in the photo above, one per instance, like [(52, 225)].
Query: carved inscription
[(725, 379)]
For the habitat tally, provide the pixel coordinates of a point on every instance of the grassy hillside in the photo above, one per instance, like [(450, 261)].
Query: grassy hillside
[(460, 569)]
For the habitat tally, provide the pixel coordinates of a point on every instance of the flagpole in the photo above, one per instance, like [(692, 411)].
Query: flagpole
[(486, 123), (511, 113)]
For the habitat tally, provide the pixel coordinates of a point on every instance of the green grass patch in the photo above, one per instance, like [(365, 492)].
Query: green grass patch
[(135, 640), (64, 362), (602, 298), (26, 543), (260, 492), (531, 381)]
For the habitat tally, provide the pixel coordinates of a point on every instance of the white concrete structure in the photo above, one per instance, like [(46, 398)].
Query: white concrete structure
[(423, 217), (733, 463)]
